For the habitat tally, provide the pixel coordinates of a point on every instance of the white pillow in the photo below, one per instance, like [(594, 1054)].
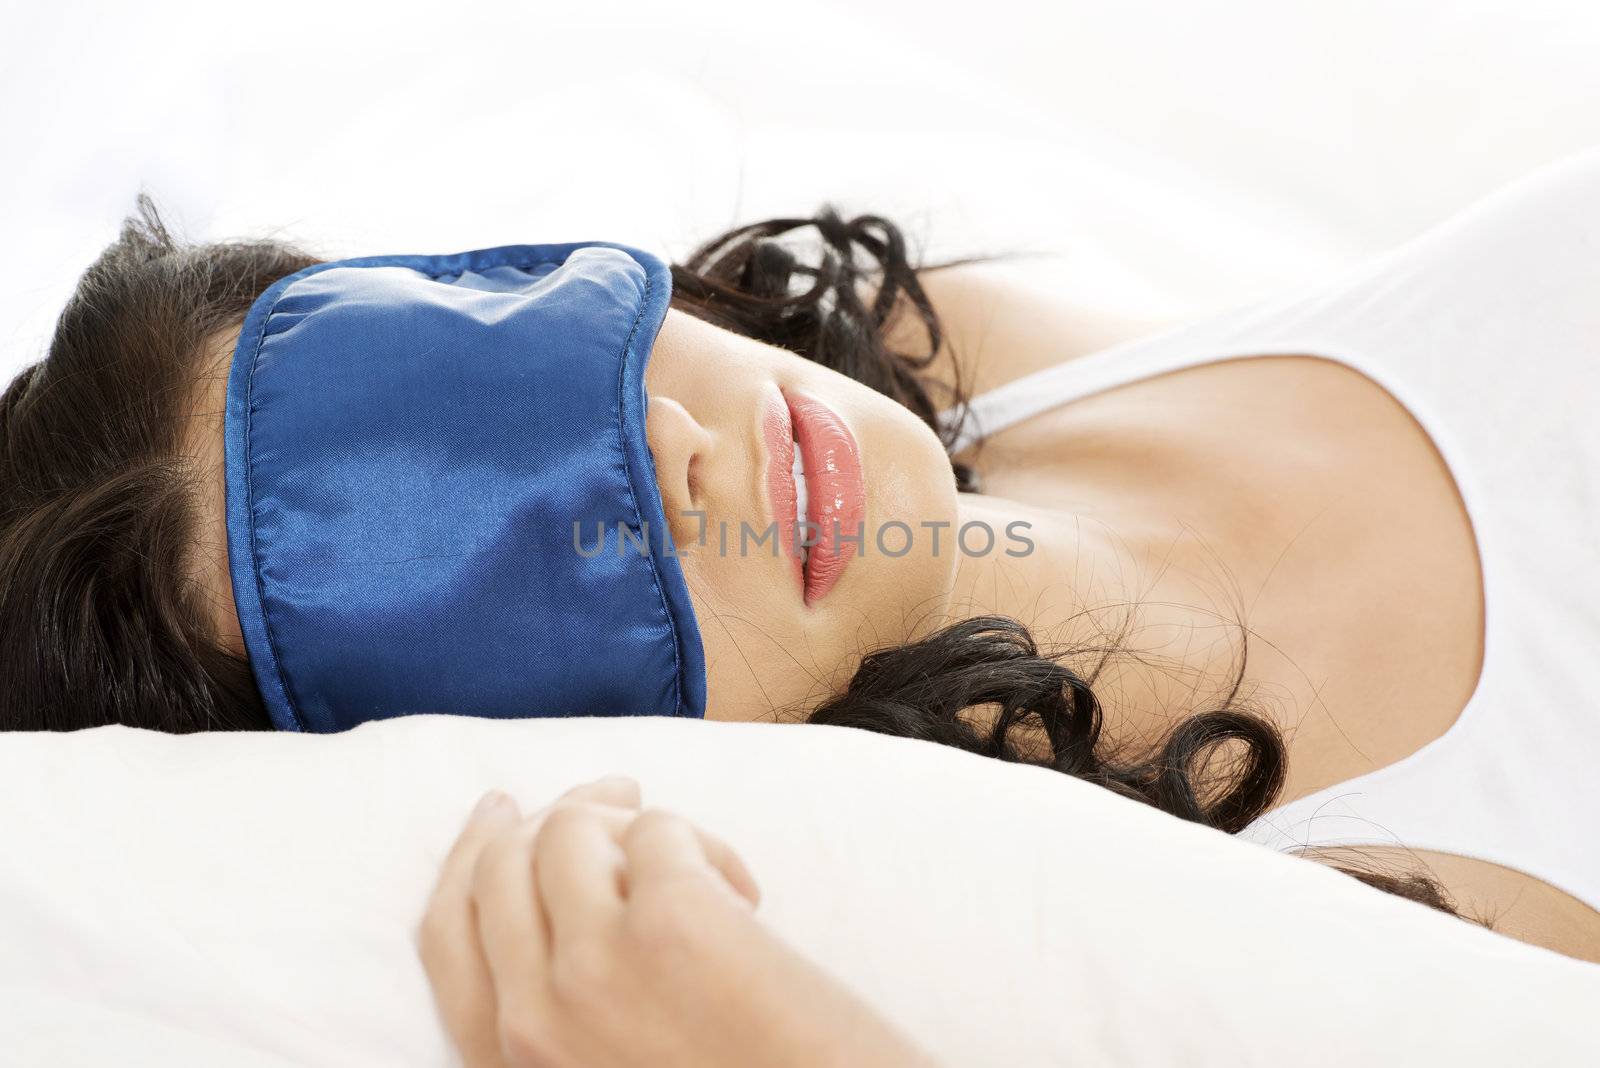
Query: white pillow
[(251, 900)]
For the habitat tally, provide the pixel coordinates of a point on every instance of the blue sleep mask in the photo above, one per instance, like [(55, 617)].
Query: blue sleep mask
[(410, 441)]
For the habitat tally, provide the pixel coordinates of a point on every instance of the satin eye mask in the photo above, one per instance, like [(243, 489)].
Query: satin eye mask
[(409, 442)]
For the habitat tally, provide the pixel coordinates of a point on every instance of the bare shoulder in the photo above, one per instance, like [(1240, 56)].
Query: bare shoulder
[(1004, 319), (1510, 902)]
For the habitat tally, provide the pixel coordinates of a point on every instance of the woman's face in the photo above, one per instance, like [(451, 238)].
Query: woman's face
[(724, 414)]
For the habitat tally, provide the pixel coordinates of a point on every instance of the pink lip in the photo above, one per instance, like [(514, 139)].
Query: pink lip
[(836, 492), (777, 430)]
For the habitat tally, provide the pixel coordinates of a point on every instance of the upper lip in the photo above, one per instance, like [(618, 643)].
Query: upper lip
[(777, 432), (835, 491)]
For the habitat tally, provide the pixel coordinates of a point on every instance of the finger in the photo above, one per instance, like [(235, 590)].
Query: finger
[(619, 790), (509, 923), (495, 812), (721, 856), (448, 939), (660, 845), (577, 864)]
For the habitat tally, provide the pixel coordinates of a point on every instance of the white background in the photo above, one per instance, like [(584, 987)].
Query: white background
[(1179, 155)]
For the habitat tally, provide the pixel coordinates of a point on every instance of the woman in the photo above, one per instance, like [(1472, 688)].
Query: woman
[(1348, 499)]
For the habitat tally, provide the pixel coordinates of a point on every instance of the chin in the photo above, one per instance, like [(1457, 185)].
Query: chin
[(940, 476), (914, 485)]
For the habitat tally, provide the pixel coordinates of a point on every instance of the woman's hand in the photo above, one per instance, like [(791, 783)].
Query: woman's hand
[(594, 935)]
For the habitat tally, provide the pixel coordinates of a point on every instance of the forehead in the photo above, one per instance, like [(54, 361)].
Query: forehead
[(201, 443)]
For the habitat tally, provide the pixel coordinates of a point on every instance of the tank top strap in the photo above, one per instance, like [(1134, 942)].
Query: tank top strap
[(1251, 329)]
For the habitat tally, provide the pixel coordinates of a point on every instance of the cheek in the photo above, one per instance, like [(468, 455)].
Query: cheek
[(759, 658), (904, 571)]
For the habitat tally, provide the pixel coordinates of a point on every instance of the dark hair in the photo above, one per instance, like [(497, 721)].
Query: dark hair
[(102, 619)]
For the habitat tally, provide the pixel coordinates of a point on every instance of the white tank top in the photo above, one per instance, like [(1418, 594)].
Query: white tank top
[(1487, 329)]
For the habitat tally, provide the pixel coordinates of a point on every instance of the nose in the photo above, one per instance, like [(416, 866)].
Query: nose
[(679, 445)]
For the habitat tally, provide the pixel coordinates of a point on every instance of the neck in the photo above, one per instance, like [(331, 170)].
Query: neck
[(1127, 598)]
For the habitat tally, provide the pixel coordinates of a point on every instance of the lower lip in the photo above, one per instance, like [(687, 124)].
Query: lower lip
[(836, 493)]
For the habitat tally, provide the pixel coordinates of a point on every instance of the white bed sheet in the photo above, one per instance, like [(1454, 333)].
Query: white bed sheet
[(249, 901)]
